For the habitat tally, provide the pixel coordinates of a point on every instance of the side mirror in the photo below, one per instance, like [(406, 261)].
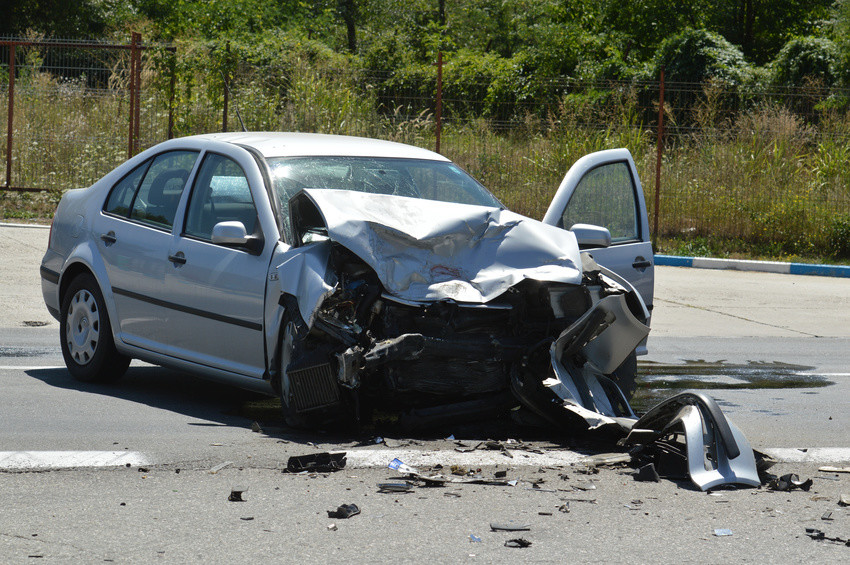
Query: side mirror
[(589, 236), (233, 234)]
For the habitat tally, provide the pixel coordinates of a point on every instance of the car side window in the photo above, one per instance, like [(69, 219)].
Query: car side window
[(220, 194), (121, 195), (605, 197), (156, 200)]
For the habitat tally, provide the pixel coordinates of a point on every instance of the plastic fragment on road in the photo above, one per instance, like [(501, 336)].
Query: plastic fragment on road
[(714, 453), (318, 462), (219, 467), (395, 487), (818, 535), (517, 542), (789, 482), (509, 527), (720, 532), (344, 511), (844, 500), (831, 469), (236, 494), (827, 515), (564, 508), (332, 527), (474, 539), (647, 473)]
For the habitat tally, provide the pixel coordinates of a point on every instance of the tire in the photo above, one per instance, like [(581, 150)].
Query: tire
[(626, 375), (86, 334)]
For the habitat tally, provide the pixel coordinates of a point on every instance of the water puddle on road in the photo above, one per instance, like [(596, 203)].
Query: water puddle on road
[(658, 381)]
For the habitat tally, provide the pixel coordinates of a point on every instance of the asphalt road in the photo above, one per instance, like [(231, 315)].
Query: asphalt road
[(174, 430)]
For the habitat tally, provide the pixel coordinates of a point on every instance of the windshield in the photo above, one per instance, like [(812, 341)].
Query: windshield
[(430, 180)]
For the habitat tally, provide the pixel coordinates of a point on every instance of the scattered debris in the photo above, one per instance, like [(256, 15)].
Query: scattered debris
[(719, 532), (816, 534), (332, 527), (319, 462), (584, 485), (844, 500), (344, 511), (509, 527), (255, 427), (219, 467), (544, 513), (608, 460), (565, 508), (474, 538), (247, 518), (452, 494), (789, 482), (831, 469), (647, 473), (827, 515), (500, 474), (395, 487), (517, 542), (236, 494)]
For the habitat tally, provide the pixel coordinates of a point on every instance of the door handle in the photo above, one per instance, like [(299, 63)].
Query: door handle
[(109, 238), (178, 258), (641, 263)]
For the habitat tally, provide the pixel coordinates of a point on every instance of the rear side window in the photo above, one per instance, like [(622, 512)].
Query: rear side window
[(159, 194), (121, 197)]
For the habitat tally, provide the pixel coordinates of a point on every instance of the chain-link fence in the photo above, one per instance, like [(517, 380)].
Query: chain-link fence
[(763, 164)]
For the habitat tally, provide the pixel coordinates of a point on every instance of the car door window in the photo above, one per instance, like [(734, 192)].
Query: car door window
[(121, 196), (220, 194), (156, 200), (605, 197)]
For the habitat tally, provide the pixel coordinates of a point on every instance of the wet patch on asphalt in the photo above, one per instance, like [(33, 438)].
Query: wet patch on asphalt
[(657, 381)]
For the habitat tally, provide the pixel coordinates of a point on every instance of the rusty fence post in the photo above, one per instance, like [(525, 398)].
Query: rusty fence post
[(659, 151), (171, 88), (439, 108), (9, 121), (132, 128)]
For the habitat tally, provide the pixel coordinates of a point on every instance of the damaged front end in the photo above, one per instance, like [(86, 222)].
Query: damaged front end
[(469, 319)]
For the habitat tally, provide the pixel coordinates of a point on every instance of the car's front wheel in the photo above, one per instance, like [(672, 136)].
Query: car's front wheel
[(86, 334)]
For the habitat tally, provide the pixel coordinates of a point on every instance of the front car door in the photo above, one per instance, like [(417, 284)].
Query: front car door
[(220, 289), (603, 189)]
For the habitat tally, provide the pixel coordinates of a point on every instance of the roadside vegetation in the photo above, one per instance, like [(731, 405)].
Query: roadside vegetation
[(755, 164)]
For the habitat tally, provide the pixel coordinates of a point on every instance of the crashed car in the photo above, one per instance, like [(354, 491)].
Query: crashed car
[(347, 275)]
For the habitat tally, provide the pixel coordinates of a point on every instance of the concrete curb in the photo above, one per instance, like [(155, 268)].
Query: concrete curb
[(760, 266), (7, 225)]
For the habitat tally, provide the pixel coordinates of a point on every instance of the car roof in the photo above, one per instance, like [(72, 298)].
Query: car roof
[(287, 144)]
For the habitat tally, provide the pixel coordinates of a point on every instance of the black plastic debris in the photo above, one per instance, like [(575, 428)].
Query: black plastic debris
[(789, 482), (818, 535), (319, 462), (236, 494), (647, 473), (395, 487), (517, 542), (509, 527), (344, 511), (565, 508)]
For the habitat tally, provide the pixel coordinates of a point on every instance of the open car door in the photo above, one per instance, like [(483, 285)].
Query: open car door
[(602, 190)]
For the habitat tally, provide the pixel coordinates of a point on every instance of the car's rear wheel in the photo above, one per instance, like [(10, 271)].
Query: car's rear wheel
[(86, 334)]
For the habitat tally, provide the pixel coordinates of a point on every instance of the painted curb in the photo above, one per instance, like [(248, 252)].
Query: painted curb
[(759, 266)]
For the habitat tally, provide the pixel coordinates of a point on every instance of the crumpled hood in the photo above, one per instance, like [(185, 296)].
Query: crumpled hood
[(423, 250)]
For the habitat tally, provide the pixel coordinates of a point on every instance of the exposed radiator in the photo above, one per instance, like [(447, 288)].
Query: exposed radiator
[(313, 387)]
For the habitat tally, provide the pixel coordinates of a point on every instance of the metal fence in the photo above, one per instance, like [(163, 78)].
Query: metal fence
[(762, 164)]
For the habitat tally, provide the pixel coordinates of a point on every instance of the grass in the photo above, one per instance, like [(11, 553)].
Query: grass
[(761, 184)]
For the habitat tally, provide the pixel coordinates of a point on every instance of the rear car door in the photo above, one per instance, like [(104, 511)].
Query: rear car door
[(218, 290), (134, 235), (603, 189)]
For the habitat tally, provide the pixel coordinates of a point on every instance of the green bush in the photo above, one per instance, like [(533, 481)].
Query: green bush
[(697, 55), (805, 58), (838, 241)]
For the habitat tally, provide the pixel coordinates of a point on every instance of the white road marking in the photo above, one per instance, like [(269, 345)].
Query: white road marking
[(370, 457), (810, 455), (68, 459), (28, 367)]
